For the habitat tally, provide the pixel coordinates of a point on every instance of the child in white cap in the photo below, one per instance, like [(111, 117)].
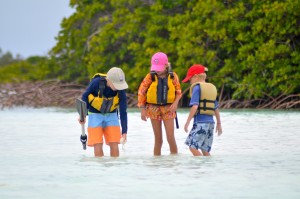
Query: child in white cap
[(104, 96)]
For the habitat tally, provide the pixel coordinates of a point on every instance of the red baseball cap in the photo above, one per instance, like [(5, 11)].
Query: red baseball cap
[(194, 70)]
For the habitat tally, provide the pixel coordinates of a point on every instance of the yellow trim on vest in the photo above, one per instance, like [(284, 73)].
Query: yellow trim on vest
[(99, 74), (153, 91), (208, 92), (171, 91), (98, 102)]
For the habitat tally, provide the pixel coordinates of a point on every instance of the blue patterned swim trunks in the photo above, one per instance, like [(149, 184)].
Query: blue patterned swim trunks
[(201, 136)]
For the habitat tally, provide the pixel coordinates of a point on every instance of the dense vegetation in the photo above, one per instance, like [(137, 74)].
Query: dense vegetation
[(252, 48)]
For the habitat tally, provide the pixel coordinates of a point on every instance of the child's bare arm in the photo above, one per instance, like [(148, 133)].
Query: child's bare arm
[(218, 118), (174, 105), (190, 117)]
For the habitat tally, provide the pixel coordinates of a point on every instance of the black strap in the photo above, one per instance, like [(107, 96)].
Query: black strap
[(204, 104), (162, 91), (153, 73), (102, 83), (106, 105), (205, 108), (176, 120), (205, 100), (171, 73)]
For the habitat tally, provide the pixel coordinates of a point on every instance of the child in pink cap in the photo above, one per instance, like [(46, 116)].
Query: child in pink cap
[(158, 98)]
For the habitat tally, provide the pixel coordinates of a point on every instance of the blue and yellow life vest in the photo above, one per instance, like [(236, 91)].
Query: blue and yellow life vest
[(208, 97), (100, 102), (162, 90)]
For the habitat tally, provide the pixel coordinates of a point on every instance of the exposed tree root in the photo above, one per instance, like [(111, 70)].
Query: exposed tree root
[(53, 93)]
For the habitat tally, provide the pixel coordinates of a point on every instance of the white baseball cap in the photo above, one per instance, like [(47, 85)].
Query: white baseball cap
[(117, 77)]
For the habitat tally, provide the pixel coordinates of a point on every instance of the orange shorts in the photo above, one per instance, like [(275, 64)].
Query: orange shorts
[(103, 125), (156, 112)]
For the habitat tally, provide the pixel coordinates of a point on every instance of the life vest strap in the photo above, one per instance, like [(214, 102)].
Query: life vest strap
[(205, 100), (106, 105), (204, 104), (101, 87), (153, 73), (206, 108), (171, 73)]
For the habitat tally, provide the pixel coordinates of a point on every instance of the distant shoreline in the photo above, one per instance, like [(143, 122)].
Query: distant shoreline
[(54, 93)]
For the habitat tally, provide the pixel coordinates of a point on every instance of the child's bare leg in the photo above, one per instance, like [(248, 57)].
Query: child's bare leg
[(158, 140), (205, 153), (195, 152), (98, 150), (169, 127), (114, 149)]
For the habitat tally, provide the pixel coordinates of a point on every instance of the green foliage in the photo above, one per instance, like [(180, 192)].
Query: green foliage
[(250, 47), (7, 58), (31, 69)]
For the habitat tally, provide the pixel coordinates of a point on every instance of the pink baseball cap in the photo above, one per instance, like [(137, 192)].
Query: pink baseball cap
[(158, 61)]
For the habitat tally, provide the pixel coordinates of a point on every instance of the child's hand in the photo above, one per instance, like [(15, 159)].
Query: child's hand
[(186, 126), (81, 122), (173, 107), (144, 114), (219, 129), (124, 138)]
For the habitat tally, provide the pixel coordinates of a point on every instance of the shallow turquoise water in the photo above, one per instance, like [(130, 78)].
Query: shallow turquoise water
[(258, 156)]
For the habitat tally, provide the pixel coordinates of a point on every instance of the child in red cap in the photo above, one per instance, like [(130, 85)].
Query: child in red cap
[(204, 106), (158, 97)]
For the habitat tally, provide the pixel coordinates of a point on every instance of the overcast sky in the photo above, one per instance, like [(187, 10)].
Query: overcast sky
[(29, 27)]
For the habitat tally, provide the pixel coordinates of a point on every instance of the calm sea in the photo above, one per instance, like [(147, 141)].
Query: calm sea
[(41, 157)]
